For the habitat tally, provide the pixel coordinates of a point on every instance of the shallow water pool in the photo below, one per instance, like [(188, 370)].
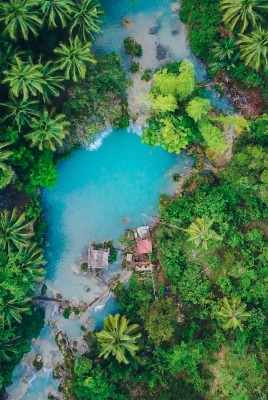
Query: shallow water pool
[(94, 192)]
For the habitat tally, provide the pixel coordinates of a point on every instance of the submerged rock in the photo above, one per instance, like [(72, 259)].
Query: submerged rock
[(161, 52), (38, 362), (154, 30), (44, 289)]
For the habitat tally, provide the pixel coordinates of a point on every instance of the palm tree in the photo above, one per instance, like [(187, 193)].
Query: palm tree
[(73, 58), (7, 349), (52, 81), (24, 78), (8, 55), (57, 11), (13, 309), (243, 11), (226, 53), (254, 49), (47, 130), (86, 19), (14, 232), (20, 17), (118, 338), (201, 233), (6, 172), (21, 112), (32, 262), (234, 313)]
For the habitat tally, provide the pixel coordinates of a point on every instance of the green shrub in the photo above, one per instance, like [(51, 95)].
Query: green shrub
[(135, 67), (147, 75), (132, 47), (67, 312)]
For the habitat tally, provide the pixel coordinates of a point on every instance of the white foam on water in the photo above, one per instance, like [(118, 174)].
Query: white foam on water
[(32, 379), (99, 307), (47, 370), (136, 128), (98, 140), (55, 310)]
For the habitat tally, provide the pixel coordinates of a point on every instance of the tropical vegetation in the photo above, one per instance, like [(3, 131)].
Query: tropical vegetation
[(197, 328), (182, 115), (230, 36), (118, 338), (44, 47), (209, 321)]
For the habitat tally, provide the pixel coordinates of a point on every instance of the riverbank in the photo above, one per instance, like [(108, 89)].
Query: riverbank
[(211, 39)]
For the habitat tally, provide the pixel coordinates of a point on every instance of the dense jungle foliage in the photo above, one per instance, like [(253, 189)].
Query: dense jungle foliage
[(203, 333), (46, 62), (231, 37), (182, 115)]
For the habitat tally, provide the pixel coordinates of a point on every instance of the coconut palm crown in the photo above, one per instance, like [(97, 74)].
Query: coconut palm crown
[(32, 262), (200, 232), (48, 130), (118, 338), (73, 58), (14, 231), (52, 81), (57, 11), (244, 12), (24, 78), (20, 17), (86, 19), (233, 313), (13, 310), (20, 111), (254, 49), (6, 172)]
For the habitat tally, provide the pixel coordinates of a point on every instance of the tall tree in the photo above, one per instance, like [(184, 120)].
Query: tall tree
[(13, 309), (20, 111), (213, 136), (14, 231), (244, 12), (6, 171), (72, 59), (57, 11), (20, 17), (233, 313), (48, 130), (32, 262), (52, 81), (7, 349), (254, 49), (200, 232), (197, 108), (225, 53), (160, 319), (118, 338), (24, 78), (8, 55), (86, 19)]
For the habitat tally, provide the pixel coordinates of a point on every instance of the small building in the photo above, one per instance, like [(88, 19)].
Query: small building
[(143, 240), (98, 258)]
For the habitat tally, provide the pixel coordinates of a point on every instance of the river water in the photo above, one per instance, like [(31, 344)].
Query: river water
[(117, 177)]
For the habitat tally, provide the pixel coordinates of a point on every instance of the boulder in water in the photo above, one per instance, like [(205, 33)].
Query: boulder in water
[(126, 219), (161, 52), (154, 30), (38, 362)]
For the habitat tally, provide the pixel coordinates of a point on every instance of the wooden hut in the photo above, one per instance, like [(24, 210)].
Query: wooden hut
[(143, 240)]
